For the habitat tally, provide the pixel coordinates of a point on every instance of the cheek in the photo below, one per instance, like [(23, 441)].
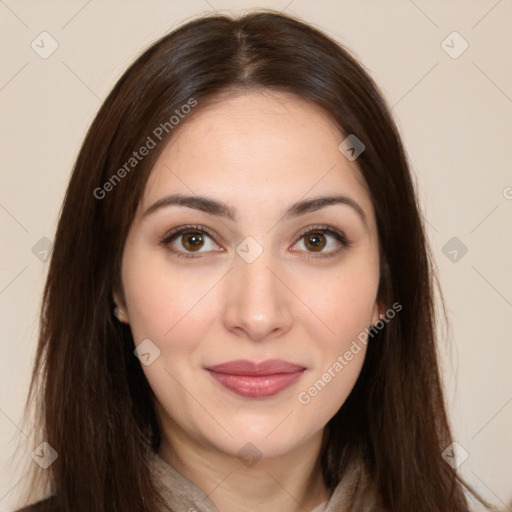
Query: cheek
[(325, 392), (343, 299), (162, 304), (345, 306)]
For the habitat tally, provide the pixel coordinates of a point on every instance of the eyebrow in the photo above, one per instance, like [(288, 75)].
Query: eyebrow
[(219, 209)]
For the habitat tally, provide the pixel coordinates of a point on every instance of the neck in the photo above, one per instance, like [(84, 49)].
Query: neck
[(289, 483)]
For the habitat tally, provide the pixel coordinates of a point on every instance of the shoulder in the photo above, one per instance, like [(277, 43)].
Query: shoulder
[(46, 505)]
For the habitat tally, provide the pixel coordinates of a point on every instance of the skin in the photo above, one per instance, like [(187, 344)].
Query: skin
[(258, 152)]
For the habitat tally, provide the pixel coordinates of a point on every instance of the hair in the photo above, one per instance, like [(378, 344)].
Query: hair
[(93, 404)]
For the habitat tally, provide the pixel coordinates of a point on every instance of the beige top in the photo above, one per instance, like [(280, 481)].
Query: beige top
[(350, 495)]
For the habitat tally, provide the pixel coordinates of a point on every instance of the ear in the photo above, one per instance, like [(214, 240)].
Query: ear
[(377, 312), (120, 311)]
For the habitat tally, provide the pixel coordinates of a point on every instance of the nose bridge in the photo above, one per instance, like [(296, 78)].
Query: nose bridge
[(256, 302)]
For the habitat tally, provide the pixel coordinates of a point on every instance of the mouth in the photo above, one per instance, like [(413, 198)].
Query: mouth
[(256, 380)]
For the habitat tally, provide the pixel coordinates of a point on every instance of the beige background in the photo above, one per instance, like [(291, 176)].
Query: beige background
[(455, 116)]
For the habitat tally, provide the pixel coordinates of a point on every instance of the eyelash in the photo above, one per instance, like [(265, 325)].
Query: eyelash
[(340, 237)]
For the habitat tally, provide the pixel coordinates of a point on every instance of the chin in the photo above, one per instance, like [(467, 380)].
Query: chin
[(266, 438)]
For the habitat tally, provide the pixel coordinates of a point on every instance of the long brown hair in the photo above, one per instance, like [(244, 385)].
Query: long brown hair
[(93, 403)]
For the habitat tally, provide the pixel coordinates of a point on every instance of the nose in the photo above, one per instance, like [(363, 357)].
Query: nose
[(258, 303)]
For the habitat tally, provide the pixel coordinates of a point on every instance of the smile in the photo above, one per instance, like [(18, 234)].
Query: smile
[(256, 380)]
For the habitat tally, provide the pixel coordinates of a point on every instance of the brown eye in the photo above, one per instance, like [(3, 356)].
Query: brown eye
[(192, 240), (321, 242), (315, 241)]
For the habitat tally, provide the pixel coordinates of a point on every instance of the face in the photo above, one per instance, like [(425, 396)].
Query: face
[(243, 274)]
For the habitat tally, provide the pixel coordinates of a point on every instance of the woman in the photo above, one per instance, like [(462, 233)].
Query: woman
[(239, 307)]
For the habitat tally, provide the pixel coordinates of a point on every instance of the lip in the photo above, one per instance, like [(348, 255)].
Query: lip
[(256, 380)]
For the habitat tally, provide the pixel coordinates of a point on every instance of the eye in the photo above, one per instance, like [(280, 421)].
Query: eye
[(189, 239), (318, 241), (318, 238)]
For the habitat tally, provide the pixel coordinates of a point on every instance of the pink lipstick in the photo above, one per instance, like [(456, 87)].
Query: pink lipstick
[(256, 380)]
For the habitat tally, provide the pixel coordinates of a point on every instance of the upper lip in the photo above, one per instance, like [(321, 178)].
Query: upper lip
[(245, 367)]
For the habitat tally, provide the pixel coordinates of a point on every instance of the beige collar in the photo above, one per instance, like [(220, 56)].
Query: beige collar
[(351, 493)]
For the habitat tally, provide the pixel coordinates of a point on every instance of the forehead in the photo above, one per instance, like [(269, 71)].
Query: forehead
[(256, 149)]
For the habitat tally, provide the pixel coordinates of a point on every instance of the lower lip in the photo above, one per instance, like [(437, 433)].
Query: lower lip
[(261, 386)]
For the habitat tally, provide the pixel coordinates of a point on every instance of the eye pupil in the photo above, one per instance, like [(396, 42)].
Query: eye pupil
[(192, 240), (315, 241)]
